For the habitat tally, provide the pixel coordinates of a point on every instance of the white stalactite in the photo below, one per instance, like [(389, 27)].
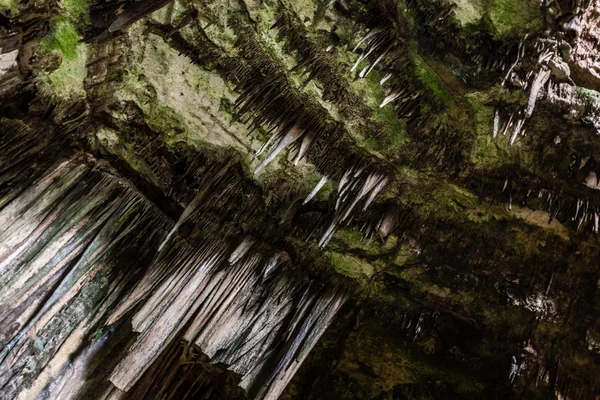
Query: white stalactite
[(316, 189), (538, 83), (516, 131), (382, 183), (496, 123), (389, 98), (293, 134), (306, 141), (385, 78)]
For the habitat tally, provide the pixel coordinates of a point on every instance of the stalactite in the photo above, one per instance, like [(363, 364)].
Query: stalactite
[(286, 139), (496, 126), (540, 80), (320, 65), (520, 53), (63, 236), (70, 232), (578, 210), (316, 189), (377, 42), (226, 316), (357, 185), (277, 106), (304, 146)]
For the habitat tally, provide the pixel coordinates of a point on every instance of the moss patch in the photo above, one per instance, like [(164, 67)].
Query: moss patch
[(78, 10), (379, 363), (111, 141), (394, 128), (68, 79), (441, 201), (426, 74), (9, 7), (368, 87), (491, 153), (352, 239), (64, 39), (514, 15), (540, 218), (351, 266)]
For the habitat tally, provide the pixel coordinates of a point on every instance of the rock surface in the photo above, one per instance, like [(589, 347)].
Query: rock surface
[(350, 199)]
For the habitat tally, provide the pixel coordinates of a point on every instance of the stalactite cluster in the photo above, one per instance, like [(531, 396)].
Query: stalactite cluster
[(81, 248)]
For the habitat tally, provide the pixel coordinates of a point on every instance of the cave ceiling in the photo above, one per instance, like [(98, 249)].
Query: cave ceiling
[(299, 199)]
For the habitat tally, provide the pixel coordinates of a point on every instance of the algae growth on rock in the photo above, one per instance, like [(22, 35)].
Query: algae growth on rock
[(348, 199)]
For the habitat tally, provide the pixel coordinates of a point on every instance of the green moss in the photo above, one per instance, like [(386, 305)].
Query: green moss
[(368, 87), (139, 164), (9, 7), (487, 152), (97, 335), (64, 39), (447, 202), (78, 10), (305, 9), (265, 14), (514, 15), (386, 119), (378, 361), (164, 119), (432, 80), (112, 143), (512, 317), (224, 36), (589, 96), (490, 153), (68, 79), (440, 201), (423, 287), (298, 78), (394, 128), (352, 239), (351, 266)]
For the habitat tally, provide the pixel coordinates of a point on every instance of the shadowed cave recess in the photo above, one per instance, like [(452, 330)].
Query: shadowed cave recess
[(299, 199)]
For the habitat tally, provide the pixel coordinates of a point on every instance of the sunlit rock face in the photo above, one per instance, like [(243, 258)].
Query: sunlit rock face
[(350, 199), (592, 181), (583, 28)]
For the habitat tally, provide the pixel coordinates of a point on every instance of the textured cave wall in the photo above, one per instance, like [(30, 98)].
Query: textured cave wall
[(396, 199)]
